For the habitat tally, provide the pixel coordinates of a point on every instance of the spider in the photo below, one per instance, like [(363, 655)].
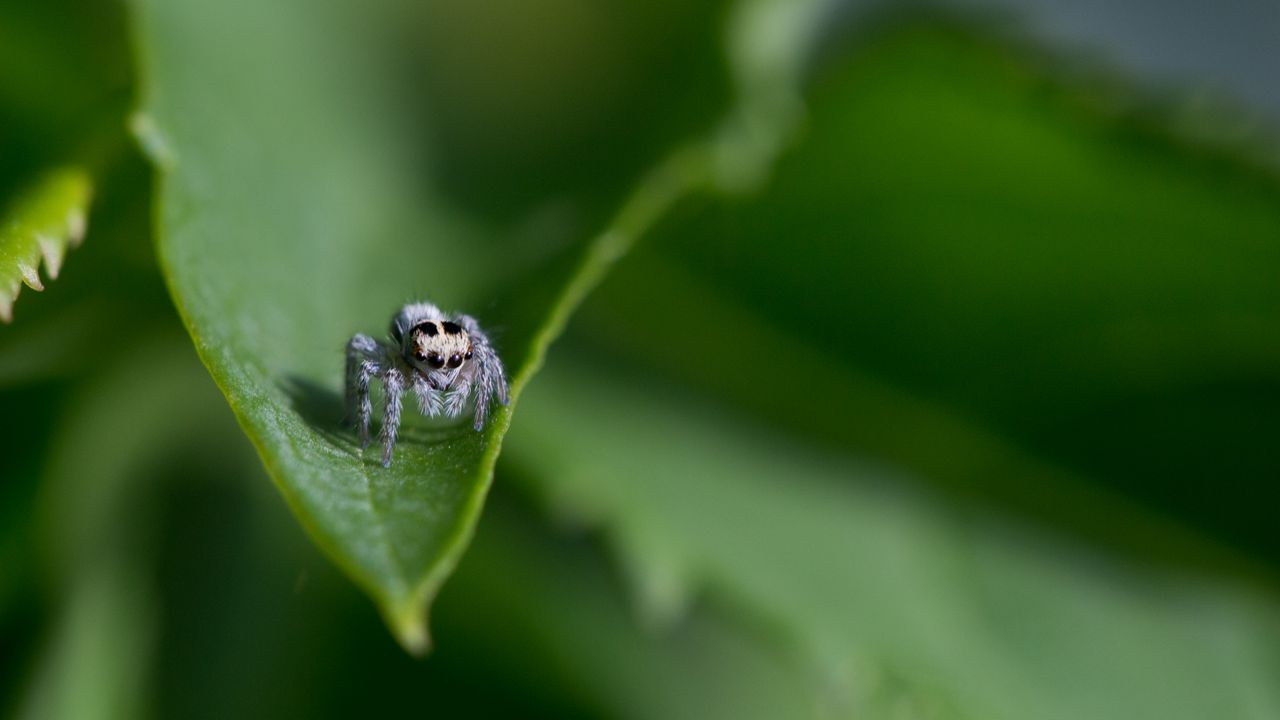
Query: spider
[(444, 360)]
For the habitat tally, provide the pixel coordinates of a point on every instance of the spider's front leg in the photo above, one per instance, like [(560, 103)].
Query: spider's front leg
[(489, 381), (490, 377), (393, 389), (364, 360)]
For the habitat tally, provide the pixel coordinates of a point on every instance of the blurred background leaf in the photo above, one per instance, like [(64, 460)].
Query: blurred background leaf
[(954, 611), (960, 228)]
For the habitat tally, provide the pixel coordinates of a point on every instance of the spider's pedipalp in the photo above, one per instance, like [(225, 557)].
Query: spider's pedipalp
[(429, 402), (455, 401)]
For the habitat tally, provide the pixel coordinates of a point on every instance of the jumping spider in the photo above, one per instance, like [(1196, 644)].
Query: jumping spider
[(444, 360)]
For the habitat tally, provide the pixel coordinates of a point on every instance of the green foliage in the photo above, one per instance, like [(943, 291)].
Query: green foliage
[(899, 598), (40, 224), (902, 375), (882, 576), (923, 293), (556, 603)]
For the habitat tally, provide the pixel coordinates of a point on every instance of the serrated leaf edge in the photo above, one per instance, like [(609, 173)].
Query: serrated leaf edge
[(46, 240)]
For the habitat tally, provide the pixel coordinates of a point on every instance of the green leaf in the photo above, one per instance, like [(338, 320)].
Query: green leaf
[(547, 613), (952, 186), (958, 248), (94, 665), (96, 520), (894, 591), (40, 224), (909, 228), (290, 217), (887, 236)]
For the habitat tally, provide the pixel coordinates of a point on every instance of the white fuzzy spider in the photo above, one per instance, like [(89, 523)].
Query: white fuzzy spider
[(444, 360)]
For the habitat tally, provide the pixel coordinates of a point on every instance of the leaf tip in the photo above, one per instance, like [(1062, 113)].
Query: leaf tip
[(409, 624)]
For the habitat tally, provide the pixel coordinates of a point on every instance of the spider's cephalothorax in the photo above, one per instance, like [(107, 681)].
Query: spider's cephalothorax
[(444, 360)]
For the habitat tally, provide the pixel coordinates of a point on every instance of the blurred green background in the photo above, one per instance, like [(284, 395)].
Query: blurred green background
[(953, 392)]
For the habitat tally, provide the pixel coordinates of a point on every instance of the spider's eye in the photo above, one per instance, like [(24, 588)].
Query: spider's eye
[(455, 360), (435, 361), (417, 355), (467, 356)]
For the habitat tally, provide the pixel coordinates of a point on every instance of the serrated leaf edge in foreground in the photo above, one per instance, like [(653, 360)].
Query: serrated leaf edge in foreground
[(40, 224)]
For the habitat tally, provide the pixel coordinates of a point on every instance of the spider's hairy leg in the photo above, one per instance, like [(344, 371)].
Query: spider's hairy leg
[(484, 385), (491, 376), (493, 366), (364, 360), (393, 389), (482, 403), (492, 381)]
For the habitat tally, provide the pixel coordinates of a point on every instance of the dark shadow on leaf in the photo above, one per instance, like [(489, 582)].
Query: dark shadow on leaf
[(323, 409)]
